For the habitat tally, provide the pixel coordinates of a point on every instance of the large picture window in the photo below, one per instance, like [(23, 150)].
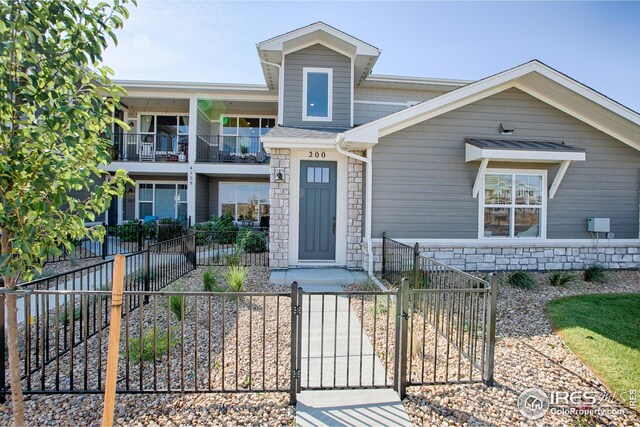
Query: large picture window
[(248, 203), (513, 204), (166, 133), (162, 200), (242, 134), (317, 94)]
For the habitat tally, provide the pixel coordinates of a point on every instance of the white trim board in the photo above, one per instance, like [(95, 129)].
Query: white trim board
[(536, 79), (341, 207), (512, 243)]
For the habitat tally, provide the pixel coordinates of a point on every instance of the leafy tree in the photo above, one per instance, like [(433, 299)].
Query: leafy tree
[(56, 107)]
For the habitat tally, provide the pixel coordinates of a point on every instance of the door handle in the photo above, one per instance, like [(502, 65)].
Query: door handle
[(333, 225)]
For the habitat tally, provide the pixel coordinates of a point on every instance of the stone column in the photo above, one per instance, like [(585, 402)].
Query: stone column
[(355, 215), (279, 215)]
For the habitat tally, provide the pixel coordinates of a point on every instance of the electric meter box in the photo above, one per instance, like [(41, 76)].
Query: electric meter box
[(598, 225)]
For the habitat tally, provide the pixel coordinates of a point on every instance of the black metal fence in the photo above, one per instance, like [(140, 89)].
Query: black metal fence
[(230, 149), (450, 317), (131, 237), (61, 314)]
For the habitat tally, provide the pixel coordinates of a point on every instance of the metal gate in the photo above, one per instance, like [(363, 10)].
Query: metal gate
[(346, 340)]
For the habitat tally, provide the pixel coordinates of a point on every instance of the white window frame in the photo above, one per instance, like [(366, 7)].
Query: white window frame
[(155, 127), (242, 116), (305, 73), (235, 216), (512, 206), (153, 196)]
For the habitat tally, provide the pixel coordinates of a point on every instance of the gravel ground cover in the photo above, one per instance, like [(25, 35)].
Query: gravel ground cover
[(258, 327), (528, 354)]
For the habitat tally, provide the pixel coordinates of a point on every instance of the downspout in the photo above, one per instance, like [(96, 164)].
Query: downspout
[(368, 196)]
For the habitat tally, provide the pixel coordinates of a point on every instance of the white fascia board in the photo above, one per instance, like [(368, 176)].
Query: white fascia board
[(220, 96), (383, 78), (150, 84), (298, 143), (149, 167), (473, 153), (232, 169), (277, 43), (487, 87)]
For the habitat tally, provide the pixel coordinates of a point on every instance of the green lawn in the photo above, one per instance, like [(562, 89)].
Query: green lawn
[(604, 331)]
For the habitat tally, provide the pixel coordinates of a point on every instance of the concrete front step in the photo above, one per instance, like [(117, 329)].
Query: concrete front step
[(377, 407), (309, 278)]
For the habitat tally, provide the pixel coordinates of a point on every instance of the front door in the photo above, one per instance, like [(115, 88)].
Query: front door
[(317, 211)]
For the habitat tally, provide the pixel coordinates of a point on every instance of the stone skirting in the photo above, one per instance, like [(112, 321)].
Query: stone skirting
[(538, 257), (279, 214), (355, 180)]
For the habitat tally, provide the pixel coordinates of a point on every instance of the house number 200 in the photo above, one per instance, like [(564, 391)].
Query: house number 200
[(317, 154)]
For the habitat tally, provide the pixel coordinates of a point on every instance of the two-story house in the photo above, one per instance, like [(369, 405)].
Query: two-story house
[(500, 173)]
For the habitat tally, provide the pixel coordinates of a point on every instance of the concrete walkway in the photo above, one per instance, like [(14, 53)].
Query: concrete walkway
[(336, 352)]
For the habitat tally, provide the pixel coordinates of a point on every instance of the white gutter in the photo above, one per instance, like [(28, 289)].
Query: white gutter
[(280, 88), (368, 196)]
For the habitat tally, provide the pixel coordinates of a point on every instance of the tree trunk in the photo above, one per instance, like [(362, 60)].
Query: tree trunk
[(14, 354)]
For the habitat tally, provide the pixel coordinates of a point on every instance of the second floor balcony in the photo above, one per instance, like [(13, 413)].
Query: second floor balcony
[(230, 149), (148, 147)]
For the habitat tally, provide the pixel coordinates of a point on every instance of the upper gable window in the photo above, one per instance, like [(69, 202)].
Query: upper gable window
[(317, 89)]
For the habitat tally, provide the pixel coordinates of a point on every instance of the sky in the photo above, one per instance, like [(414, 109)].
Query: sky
[(596, 43)]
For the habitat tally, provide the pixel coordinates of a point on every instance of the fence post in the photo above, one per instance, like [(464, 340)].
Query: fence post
[(384, 255), (295, 369), (193, 250), (114, 341), (3, 385), (105, 241), (416, 266), (403, 318), (491, 328), (139, 235), (147, 274)]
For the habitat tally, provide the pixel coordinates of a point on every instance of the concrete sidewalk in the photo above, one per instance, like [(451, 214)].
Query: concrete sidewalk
[(336, 352), (307, 277)]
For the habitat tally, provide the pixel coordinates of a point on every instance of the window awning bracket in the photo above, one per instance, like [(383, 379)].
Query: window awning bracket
[(558, 179), (476, 185)]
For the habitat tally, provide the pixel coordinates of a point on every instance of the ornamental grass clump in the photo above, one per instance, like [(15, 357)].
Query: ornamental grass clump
[(521, 279), (236, 277), (561, 278), (595, 273)]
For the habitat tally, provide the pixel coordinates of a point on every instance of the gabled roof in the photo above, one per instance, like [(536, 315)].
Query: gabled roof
[(272, 51), (534, 78)]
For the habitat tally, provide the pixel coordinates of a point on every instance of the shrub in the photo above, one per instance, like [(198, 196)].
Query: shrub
[(176, 304), (128, 232), (203, 232), (168, 228), (521, 279), (233, 259), (561, 278), (595, 273), (151, 349), (225, 229), (236, 277), (251, 241), (210, 281)]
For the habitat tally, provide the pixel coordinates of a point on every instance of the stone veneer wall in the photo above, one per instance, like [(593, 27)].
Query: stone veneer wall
[(355, 179), (279, 214), (540, 257)]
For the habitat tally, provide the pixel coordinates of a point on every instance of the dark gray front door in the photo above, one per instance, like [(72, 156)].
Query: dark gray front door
[(317, 211)]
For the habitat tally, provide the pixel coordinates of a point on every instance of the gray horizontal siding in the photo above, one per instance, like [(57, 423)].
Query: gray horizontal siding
[(204, 123), (321, 57), (365, 113), (422, 185), (202, 198)]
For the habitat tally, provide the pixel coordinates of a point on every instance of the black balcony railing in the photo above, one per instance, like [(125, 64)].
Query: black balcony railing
[(141, 147), (230, 149)]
